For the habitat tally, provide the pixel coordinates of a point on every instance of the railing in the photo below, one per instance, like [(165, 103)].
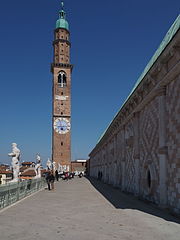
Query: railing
[(13, 192)]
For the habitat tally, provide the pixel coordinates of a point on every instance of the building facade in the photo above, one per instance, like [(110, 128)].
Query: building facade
[(5, 176), (140, 150), (79, 166), (61, 113)]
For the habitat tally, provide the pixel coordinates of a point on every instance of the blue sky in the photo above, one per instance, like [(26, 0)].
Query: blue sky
[(112, 41)]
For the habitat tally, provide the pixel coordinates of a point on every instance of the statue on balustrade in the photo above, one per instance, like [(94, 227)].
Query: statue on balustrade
[(38, 166), (15, 154), (49, 164), (54, 166)]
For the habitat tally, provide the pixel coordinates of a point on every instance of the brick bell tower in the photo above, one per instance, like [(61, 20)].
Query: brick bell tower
[(61, 95)]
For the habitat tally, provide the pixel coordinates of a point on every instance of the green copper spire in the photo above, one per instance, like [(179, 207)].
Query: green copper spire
[(62, 22)]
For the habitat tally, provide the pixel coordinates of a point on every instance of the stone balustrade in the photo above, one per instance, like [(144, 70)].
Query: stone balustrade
[(13, 192)]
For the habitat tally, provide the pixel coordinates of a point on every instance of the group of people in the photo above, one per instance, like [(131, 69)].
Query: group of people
[(50, 177), (64, 175)]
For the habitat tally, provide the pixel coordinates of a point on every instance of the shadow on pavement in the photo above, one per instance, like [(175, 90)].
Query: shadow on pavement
[(122, 200)]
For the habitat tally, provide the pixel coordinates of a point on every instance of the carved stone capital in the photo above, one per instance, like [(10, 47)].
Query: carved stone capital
[(161, 91), (136, 114), (136, 156), (163, 150)]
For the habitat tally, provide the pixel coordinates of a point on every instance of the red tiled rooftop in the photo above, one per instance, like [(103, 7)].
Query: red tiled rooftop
[(27, 163), (29, 173), (5, 172)]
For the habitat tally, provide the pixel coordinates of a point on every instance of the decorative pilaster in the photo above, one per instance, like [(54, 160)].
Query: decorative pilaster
[(123, 161), (115, 161), (162, 147), (137, 153)]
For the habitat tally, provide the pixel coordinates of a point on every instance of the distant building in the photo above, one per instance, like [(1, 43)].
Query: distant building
[(4, 167), (28, 173), (28, 164), (79, 166), (5, 176)]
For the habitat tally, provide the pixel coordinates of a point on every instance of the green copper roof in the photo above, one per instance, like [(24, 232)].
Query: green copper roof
[(169, 35), (62, 22)]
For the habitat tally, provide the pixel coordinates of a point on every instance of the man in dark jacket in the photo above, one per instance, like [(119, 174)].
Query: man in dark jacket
[(57, 175), (50, 180)]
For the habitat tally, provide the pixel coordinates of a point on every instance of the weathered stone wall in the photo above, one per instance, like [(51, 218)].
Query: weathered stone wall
[(149, 142), (140, 150), (173, 133)]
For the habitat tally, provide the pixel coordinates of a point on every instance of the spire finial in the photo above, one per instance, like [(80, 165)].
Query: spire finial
[(62, 4), (62, 22)]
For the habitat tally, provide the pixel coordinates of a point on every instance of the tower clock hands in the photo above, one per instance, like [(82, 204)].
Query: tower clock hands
[(62, 126)]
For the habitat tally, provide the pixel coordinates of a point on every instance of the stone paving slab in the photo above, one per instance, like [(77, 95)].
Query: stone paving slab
[(85, 210)]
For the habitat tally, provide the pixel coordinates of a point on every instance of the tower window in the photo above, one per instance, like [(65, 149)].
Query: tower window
[(62, 80), (61, 113), (61, 143), (61, 93)]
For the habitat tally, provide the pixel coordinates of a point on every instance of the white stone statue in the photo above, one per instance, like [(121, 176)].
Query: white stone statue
[(54, 166), (49, 164), (59, 168), (38, 166), (15, 161)]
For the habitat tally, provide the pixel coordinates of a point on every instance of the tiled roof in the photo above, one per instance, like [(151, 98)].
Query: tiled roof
[(23, 168), (25, 178), (3, 167), (5, 172), (30, 173), (27, 163), (44, 170)]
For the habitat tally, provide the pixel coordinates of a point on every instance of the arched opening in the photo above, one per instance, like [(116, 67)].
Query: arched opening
[(62, 79), (149, 178)]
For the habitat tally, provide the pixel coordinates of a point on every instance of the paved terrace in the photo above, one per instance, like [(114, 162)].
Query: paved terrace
[(85, 210)]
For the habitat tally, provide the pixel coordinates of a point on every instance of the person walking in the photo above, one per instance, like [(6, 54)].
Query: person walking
[(50, 180), (57, 175), (66, 176)]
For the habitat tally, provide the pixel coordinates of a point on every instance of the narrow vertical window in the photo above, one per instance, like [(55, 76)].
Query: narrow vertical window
[(62, 79), (149, 178)]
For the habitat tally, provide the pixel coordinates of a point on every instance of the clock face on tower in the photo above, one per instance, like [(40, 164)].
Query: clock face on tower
[(62, 125)]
